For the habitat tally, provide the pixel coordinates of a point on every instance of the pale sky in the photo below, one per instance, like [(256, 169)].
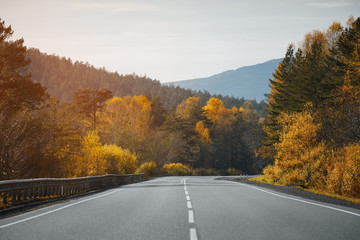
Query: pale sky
[(170, 40)]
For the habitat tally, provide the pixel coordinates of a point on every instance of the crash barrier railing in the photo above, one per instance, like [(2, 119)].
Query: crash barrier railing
[(17, 191), (245, 176)]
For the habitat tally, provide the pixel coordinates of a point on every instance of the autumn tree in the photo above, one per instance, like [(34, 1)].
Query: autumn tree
[(234, 134), (88, 103), (313, 113), (20, 101), (17, 90), (60, 138), (182, 123), (300, 159), (16, 140), (127, 120), (309, 75), (89, 160), (158, 112)]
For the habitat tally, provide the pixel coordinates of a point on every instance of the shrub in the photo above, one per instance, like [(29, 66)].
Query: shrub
[(118, 160), (233, 171), (89, 161), (148, 168), (351, 177), (176, 169), (205, 172)]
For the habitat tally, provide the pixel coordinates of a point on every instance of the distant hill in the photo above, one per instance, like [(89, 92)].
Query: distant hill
[(61, 76), (250, 82)]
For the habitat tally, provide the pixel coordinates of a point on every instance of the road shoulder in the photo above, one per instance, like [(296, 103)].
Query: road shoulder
[(290, 190)]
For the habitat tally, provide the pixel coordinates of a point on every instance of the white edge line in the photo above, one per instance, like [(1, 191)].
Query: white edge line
[(58, 209), (193, 235), (303, 201)]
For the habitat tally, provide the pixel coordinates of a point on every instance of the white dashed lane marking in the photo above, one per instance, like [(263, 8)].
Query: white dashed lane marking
[(191, 216), (193, 235)]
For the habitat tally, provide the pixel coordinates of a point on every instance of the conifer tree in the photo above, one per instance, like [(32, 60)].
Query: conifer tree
[(89, 102), (16, 88)]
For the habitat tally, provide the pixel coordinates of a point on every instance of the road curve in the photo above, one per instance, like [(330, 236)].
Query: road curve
[(185, 208)]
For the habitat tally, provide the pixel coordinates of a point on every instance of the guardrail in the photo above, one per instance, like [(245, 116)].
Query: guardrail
[(16, 191), (245, 176)]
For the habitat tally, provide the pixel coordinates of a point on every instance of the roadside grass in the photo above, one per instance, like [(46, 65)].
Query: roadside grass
[(349, 199), (263, 179)]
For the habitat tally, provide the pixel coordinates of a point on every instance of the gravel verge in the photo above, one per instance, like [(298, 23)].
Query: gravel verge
[(290, 190)]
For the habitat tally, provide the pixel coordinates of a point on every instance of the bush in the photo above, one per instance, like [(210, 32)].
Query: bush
[(148, 168), (233, 171), (344, 177), (205, 172), (351, 179), (176, 169), (118, 160), (89, 160)]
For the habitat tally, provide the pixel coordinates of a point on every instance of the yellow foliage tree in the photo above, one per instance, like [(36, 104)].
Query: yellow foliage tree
[(190, 104), (249, 115), (217, 113), (344, 173), (300, 159), (203, 132), (89, 160), (127, 114), (212, 109), (351, 177)]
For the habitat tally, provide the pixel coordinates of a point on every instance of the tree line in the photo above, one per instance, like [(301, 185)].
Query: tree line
[(78, 127), (62, 77), (313, 113)]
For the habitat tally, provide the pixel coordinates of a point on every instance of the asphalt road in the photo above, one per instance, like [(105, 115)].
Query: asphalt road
[(185, 208)]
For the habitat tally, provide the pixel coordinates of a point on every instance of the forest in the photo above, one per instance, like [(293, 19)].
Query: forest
[(313, 113), (65, 119), (62, 77)]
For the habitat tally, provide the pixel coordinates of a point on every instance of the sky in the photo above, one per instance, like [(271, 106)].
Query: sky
[(170, 40)]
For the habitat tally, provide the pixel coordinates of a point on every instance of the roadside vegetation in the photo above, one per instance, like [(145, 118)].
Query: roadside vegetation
[(312, 122)]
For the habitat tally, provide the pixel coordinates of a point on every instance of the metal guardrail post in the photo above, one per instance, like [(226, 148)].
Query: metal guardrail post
[(13, 191), (5, 198)]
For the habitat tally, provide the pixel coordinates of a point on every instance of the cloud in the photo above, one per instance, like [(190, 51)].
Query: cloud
[(329, 4), (116, 7)]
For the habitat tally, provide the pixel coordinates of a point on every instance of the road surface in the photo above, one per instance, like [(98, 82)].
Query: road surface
[(185, 208)]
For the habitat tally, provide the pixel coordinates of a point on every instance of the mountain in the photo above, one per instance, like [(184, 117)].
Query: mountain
[(250, 82)]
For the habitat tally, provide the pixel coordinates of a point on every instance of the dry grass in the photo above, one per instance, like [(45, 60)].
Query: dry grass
[(263, 179), (349, 199)]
